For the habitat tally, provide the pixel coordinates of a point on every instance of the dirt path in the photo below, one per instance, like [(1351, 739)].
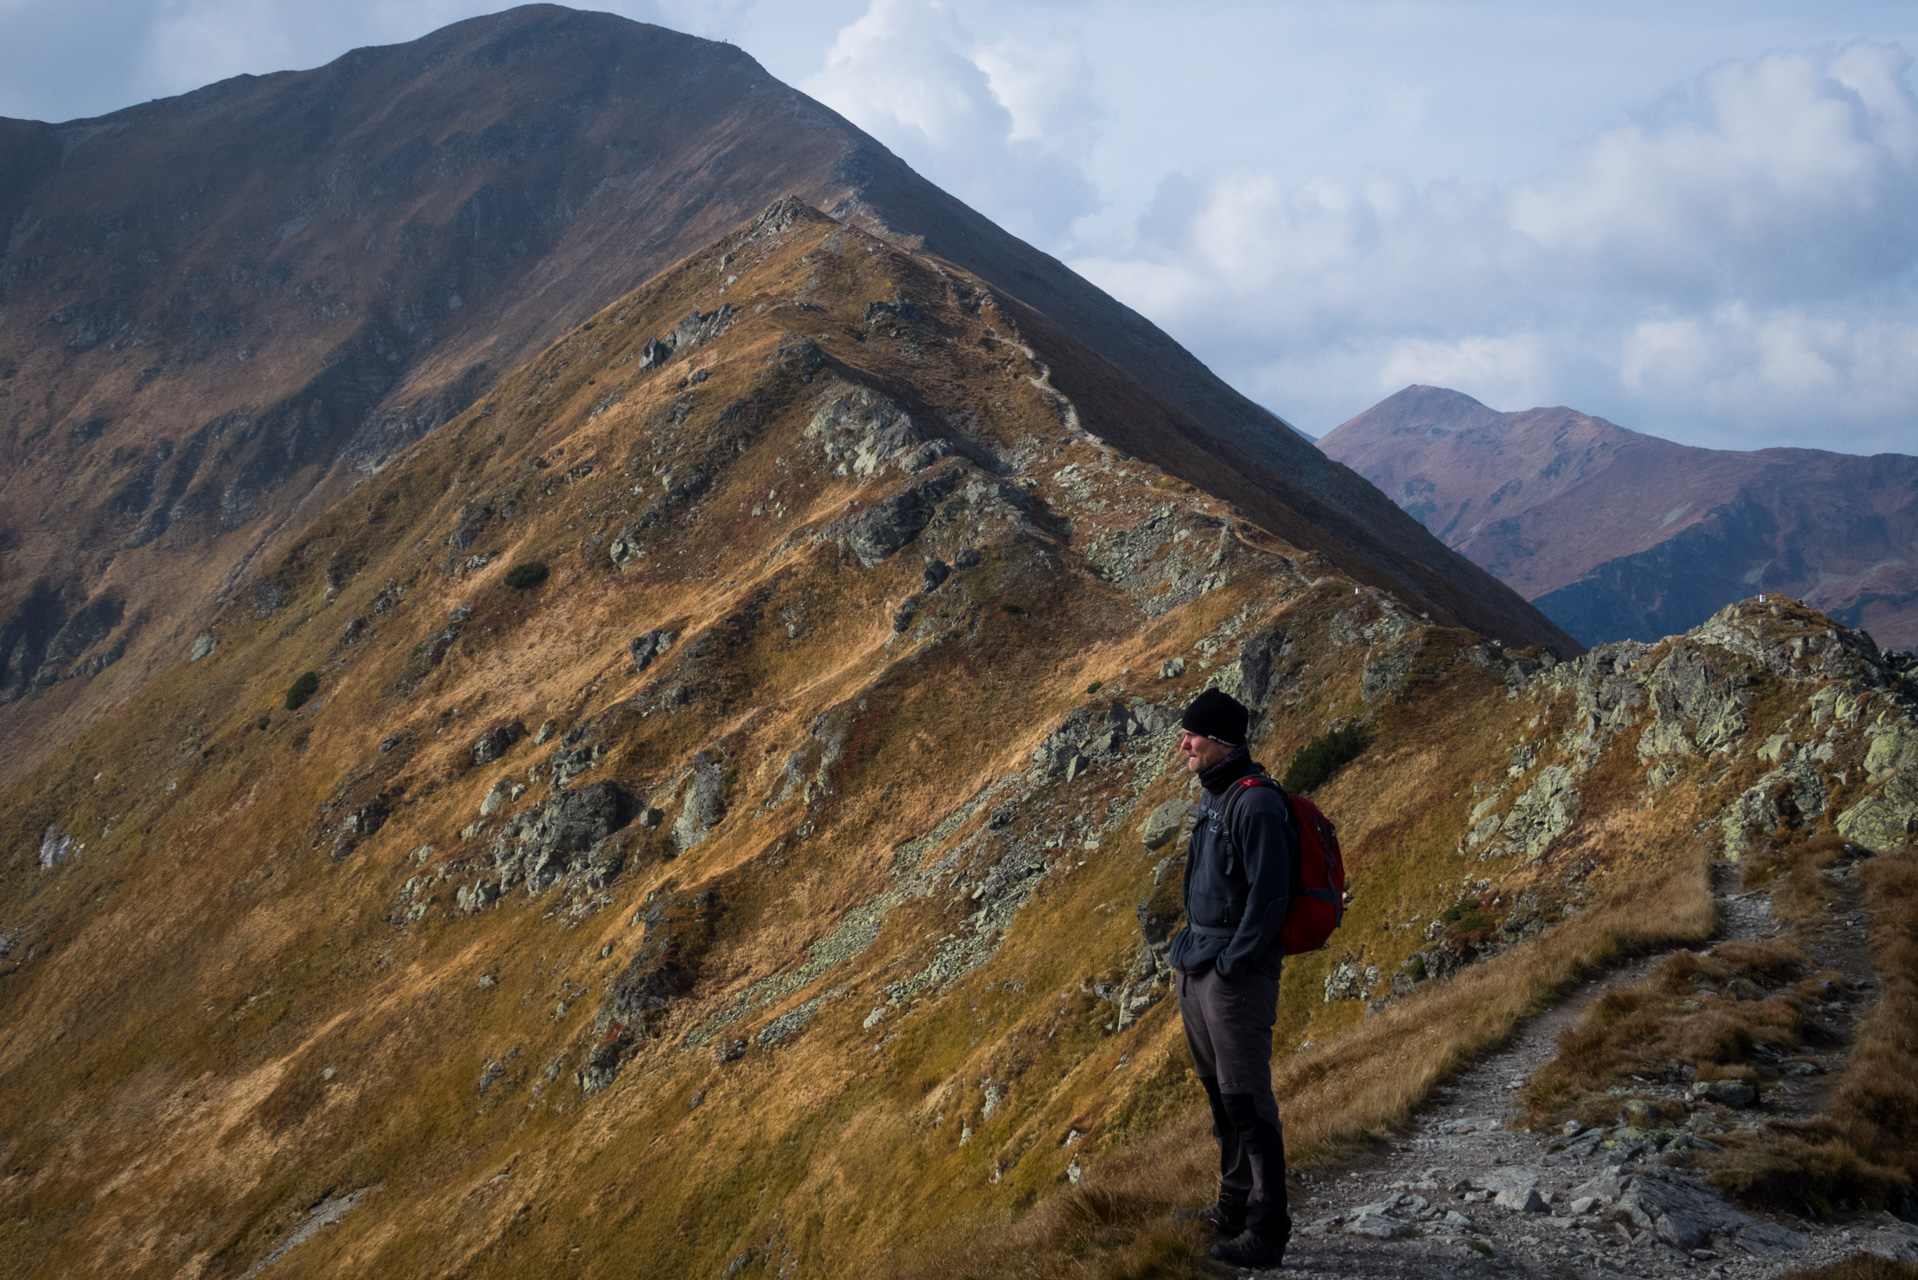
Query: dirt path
[(1461, 1195)]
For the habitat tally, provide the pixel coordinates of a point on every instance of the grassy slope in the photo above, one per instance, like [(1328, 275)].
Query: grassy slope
[(210, 1025)]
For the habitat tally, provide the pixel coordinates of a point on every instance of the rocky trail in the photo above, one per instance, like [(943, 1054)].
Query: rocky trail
[(1461, 1194)]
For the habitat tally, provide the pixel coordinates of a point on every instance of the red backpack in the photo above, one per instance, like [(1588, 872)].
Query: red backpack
[(1318, 877)]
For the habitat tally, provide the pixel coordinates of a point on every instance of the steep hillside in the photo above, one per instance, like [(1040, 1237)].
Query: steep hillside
[(709, 809), (1617, 535), (219, 311)]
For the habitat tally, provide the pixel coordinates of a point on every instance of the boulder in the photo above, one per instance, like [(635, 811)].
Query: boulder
[(704, 802), (1163, 824), (653, 354), (1683, 1213), (568, 835), (1727, 1093), (203, 646), (1376, 1222), (496, 742), (1513, 1188), (875, 534), (648, 647)]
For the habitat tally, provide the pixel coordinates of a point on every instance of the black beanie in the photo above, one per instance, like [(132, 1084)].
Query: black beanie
[(1218, 716)]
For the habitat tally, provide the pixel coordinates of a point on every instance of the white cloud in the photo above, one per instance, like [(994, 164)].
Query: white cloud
[(1500, 370), (1741, 270), (981, 121), (1793, 176)]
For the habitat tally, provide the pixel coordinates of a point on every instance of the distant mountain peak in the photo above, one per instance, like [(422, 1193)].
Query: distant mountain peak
[(1620, 535)]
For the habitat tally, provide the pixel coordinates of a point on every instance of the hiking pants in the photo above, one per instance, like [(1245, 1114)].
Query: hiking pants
[(1228, 1026)]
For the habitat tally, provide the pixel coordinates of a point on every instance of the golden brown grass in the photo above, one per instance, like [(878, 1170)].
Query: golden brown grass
[(1703, 1011), (1863, 1153), (1860, 1266), (209, 961), (1335, 1098), (1794, 874)]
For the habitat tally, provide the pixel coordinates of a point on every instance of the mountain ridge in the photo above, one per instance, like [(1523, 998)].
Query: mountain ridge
[(219, 313), (717, 799), (1617, 534)]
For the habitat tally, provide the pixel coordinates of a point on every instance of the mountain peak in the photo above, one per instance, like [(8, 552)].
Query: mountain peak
[(1620, 535), (236, 304)]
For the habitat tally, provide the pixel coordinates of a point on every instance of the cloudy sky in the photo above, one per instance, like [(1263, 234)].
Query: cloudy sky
[(1698, 220)]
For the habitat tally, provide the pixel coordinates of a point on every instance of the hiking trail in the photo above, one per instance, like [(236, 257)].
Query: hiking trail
[(1461, 1195)]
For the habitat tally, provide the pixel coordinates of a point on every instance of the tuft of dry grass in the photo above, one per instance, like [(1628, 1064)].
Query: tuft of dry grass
[(1863, 1153), (1794, 873), (1699, 1012), (1860, 1266)]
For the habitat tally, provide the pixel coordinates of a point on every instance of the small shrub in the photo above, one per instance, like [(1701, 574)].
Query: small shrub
[(1324, 756), (524, 577), (1095, 686), (265, 723), (1006, 606), (301, 691)]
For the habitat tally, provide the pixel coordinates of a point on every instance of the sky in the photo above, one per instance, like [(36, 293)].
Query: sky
[(1698, 220)]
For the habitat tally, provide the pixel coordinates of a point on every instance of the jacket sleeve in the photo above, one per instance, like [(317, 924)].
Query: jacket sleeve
[(1265, 836)]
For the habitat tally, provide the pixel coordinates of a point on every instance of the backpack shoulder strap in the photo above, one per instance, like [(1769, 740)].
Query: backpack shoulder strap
[(1251, 782)]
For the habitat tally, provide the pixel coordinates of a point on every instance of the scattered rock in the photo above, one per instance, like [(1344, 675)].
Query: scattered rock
[(496, 742), (203, 646), (1171, 668), (55, 848), (567, 836), (652, 645), (1164, 823), (1727, 1093), (703, 804)]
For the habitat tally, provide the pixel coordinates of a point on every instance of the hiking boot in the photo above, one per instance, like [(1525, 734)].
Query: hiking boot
[(1227, 1222), (1250, 1249)]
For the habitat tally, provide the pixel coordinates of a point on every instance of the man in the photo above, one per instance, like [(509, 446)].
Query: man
[(1238, 873)]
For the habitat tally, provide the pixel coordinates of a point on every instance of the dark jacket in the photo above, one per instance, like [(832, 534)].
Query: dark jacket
[(1239, 880)]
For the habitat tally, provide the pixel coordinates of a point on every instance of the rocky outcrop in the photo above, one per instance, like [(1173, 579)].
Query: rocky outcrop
[(1094, 734), (875, 534), (570, 837), (1889, 818), (862, 432), (55, 848), (1698, 705), (646, 648), (704, 802), (678, 929), (496, 742), (1688, 1215)]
